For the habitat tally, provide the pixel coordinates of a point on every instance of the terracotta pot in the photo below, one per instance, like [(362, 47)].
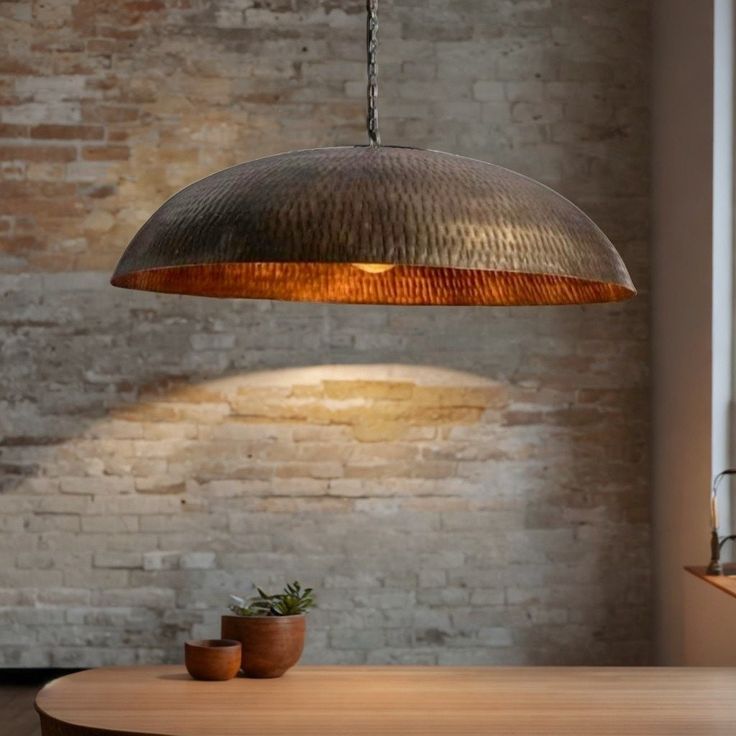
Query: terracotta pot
[(212, 659), (271, 644)]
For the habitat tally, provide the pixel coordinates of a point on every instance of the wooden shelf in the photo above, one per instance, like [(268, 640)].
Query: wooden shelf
[(725, 582), (366, 701)]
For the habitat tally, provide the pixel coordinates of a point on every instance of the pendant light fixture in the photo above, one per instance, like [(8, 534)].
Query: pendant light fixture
[(374, 225)]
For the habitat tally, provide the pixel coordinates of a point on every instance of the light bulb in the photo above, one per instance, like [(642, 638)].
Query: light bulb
[(374, 267)]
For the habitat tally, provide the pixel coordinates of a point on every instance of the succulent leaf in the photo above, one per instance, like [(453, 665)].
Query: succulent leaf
[(292, 601)]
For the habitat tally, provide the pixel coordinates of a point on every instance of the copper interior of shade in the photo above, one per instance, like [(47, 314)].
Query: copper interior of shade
[(343, 282)]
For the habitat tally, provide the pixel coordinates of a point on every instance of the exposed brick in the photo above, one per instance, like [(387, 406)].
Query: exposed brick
[(115, 114), (125, 560), (68, 132), (106, 153), (461, 486), (12, 130), (197, 561), (36, 152)]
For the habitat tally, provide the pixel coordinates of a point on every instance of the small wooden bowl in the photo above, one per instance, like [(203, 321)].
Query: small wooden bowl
[(212, 659)]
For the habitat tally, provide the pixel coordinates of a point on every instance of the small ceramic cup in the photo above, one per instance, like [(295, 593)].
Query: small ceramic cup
[(212, 659)]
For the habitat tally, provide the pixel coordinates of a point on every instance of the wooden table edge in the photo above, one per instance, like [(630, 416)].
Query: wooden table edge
[(53, 725)]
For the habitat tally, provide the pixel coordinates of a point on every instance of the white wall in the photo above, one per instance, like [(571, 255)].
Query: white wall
[(691, 320), (723, 245)]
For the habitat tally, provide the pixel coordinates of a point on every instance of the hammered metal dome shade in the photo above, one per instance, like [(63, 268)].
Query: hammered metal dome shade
[(456, 231)]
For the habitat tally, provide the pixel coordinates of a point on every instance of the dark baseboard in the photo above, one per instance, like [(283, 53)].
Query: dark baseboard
[(32, 676)]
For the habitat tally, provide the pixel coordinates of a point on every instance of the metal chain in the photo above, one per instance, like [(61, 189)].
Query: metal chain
[(372, 40)]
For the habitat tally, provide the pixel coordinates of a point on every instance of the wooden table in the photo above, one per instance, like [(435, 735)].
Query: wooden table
[(383, 701)]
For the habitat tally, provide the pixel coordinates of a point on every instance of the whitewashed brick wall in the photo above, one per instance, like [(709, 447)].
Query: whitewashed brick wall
[(460, 485)]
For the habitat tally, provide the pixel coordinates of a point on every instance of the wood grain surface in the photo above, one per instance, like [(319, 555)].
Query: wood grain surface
[(726, 582), (420, 701)]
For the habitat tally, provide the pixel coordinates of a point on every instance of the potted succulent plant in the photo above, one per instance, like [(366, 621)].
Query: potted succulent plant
[(270, 628)]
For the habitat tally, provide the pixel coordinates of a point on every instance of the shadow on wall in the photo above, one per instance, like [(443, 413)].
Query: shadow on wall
[(158, 454)]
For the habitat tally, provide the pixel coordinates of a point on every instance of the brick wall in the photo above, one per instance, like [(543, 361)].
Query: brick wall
[(460, 485)]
